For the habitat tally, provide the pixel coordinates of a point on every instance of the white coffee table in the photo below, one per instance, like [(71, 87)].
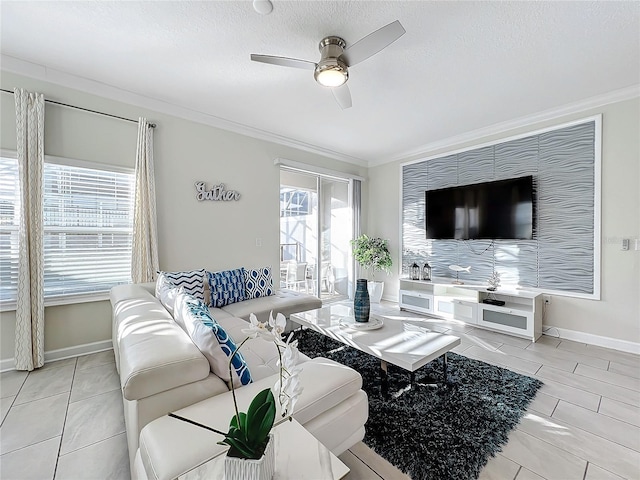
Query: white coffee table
[(299, 455), (399, 342)]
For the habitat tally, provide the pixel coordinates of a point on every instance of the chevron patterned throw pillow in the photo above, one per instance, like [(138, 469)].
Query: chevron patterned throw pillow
[(192, 281)]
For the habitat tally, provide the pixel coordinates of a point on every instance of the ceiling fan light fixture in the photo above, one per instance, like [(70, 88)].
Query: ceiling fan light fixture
[(331, 74)]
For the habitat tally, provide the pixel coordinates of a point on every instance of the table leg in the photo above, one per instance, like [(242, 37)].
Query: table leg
[(444, 368), (384, 380)]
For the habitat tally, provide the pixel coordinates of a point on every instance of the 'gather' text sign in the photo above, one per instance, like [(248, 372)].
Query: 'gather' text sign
[(216, 194)]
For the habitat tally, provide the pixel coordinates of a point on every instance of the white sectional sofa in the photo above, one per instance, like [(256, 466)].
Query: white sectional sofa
[(161, 370)]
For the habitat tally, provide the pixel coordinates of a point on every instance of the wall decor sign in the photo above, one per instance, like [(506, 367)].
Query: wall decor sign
[(216, 194)]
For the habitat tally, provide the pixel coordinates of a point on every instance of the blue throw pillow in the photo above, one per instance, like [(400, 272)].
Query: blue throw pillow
[(226, 287), (224, 348), (258, 282), (192, 281)]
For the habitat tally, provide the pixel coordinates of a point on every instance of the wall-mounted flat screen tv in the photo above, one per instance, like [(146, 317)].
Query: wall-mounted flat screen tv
[(501, 209)]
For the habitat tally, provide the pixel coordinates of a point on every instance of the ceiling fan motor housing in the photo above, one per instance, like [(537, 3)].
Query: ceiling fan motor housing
[(331, 49)]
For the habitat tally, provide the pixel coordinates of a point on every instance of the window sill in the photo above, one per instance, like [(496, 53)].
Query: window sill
[(63, 300)]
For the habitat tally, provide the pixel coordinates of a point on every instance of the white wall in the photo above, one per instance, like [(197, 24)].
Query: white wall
[(192, 234), (617, 314)]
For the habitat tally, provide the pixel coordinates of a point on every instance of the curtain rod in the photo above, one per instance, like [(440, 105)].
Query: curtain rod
[(151, 125)]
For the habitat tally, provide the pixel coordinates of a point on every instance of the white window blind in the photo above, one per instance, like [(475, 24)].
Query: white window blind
[(9, 223), (88, 223)]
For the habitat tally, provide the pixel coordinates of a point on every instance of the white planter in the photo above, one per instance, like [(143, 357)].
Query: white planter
[(375, 291), (244, 469)]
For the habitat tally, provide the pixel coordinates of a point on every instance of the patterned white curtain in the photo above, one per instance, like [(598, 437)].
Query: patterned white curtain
[(144, 255), (29, 345)]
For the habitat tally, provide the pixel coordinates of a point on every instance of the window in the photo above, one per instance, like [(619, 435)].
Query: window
[(294, 202), (9, 224), (88, 223)]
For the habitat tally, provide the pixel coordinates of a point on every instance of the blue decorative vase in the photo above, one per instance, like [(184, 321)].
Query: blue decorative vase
[(361, 305)]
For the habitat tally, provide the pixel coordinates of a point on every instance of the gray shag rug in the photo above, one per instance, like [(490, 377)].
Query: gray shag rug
[(428, 432)]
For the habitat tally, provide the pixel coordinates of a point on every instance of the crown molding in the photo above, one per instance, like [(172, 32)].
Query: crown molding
[(58, 77), (499, 128)]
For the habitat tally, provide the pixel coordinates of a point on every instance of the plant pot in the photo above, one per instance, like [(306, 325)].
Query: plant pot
[(375, 291), (361, 306), (245, 469)]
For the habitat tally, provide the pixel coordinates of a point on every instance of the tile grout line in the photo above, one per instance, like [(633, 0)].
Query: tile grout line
[(92, 396), (636, 392), (518, 472), (556, 406), (604, 381), (64, 423), (582, 430), (13, 402), (31, 445), (93, 443)]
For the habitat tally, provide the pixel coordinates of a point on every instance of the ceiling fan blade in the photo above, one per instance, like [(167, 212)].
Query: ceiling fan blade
[(342, 96), (373, 43), (283, 61)]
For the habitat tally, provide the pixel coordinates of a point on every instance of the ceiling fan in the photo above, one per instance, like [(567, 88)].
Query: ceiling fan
[(335, 59)]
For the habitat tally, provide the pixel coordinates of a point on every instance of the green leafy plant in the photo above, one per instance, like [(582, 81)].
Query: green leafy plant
[(372, 254), (249, 432)]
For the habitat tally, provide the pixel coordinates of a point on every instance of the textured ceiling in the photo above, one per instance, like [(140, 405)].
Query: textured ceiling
[(461, 66)]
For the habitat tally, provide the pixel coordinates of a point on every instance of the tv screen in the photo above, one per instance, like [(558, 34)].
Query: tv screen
[(492, 210)]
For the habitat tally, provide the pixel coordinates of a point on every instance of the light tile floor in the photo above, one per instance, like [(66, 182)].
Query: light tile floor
[(65, 420)]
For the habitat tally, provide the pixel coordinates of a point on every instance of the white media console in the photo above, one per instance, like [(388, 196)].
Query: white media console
[(520, 315)]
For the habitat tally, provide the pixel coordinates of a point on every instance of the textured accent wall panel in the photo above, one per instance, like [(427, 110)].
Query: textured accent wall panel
[(517, 262), (442, 173), (414, 180), (560, 257), (516, 158), (479, 255), (444, 253), (476, 166)]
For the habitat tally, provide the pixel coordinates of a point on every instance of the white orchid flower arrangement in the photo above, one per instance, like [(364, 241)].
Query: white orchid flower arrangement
[(249, 432)]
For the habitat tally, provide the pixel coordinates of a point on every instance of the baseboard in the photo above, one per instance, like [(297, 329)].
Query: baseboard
[(591, 339), (63, 353)]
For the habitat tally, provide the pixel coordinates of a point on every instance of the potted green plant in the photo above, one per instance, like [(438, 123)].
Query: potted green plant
[(372, 253)]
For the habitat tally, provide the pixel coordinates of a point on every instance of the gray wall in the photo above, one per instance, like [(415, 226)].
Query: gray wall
[(560, 257), (192, 234)]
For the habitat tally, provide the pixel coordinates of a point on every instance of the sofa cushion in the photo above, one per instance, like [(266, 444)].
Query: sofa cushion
[(226, 287), (212, 340), (261, 355), (192, 281), (258, 282), (283, 301)]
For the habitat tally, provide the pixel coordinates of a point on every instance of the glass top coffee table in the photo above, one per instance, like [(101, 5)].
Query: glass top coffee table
[(398, 341)]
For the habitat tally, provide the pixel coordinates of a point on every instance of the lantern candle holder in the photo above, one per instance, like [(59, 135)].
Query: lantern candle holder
[(426, 272), (415, 272)]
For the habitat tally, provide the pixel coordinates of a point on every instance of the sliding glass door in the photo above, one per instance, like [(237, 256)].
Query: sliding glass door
[(316, 226)]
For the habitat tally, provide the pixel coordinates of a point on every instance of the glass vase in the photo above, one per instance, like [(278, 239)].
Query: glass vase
[(361, 303)]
